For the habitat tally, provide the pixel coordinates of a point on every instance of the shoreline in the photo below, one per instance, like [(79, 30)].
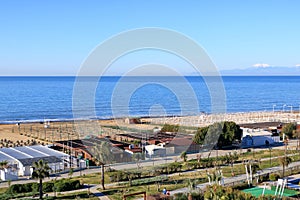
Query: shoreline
[(201, 114), (47, 132)]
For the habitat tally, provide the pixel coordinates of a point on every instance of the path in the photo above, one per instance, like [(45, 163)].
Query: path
[(239, 178)]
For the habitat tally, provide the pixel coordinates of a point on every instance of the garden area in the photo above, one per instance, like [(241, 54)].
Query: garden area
[(188, 172), (32, 189)]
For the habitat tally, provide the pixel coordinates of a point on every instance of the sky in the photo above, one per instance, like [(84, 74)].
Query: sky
[(55, 37)]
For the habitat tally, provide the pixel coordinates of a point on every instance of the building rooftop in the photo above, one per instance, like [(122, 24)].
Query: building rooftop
[(30, 161), (27, 154)]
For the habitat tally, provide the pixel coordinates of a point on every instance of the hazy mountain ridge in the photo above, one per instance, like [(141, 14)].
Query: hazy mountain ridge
[(263, 71)]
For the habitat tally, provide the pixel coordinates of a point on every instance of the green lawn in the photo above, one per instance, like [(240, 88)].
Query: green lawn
[(117, 192), (77, 195)]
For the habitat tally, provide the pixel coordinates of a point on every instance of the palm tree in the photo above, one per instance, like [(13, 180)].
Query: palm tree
[(296, 134), (3, 164), (284, 162), (183, 156), (41, 170), (191, 184)]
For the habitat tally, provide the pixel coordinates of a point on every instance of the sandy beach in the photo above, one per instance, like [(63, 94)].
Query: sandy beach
[(46, 133)]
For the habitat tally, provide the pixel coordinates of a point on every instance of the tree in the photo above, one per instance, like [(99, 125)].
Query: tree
[(220, 133), (3, 164), (215, 177), (191, 184), (289, 129), (296, 134), (170, 128), (102, 153), (71, 173), (230, 159), (200, 135), (252, 168), (138, 157), (284, 162), (230, 132), (213, 134), (41, 170), (183, 156)]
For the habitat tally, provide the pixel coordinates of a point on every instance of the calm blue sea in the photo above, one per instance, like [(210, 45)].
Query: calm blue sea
[(39, 98)]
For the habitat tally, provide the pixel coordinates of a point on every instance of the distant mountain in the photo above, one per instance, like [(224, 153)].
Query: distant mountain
[(263, 71)]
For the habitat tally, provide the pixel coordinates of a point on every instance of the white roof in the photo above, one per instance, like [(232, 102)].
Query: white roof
[(150, 148), (255, 132), (38, 151)]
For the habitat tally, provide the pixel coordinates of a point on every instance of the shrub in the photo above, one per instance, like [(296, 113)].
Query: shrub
[(118, 176), (180, 196), (197, 196), (174, 167), (5, 196), (274, 177), (35, 187), (16, 188), (48, 186), (23, 188), (67, 185)]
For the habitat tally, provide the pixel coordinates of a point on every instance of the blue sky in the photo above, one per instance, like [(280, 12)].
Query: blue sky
[(54, 37)]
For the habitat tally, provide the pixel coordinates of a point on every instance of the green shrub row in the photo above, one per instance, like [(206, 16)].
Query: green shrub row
[(58, 186)]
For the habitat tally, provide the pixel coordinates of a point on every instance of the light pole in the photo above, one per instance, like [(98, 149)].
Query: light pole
[(291, 108), (283, 107), (274, 107)]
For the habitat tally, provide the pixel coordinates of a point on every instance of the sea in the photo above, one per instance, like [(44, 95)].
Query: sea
[(27, 99)]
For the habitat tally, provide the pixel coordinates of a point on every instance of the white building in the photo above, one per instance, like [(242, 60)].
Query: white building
[(155, 150), (258, 137), (21, 159)]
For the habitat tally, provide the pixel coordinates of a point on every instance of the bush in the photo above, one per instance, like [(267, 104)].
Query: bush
[(180, 196), (61, 185), (197, 196), (28, 187), (67, 185), (48, 186), (117, 176), (274, 177), (5, 196), (16, 188), (23, 188), (35, 187), (174, 167)]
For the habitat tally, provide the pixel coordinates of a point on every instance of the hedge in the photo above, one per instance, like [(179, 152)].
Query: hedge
[(60, 186)]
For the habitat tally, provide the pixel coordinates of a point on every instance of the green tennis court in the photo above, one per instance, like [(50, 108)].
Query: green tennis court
[(256, 191)]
